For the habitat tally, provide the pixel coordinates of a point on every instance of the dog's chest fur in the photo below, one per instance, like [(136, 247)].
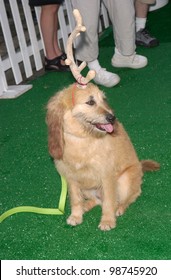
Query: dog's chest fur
[(87, 159)]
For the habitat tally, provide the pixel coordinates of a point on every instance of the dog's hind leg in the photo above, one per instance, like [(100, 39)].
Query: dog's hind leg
[(92, 199), (129, 187), (89, 204)]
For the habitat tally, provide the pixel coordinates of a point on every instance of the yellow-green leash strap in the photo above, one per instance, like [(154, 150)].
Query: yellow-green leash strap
[(37, 210)]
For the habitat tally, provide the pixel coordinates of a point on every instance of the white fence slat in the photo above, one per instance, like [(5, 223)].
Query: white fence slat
[(6, 62), (9, 92), (38, 12), (3, 83), (21, 38), (33, 37), (9, 43), (63, 31), (71, 19)]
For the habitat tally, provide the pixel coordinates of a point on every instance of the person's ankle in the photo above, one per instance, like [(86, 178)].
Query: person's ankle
[(94, 65), (119, 53)]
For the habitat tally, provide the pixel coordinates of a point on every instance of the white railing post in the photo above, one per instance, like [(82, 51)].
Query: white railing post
[(21, 38), (38, 12), (3, 83), (9, 43), (16, 90)]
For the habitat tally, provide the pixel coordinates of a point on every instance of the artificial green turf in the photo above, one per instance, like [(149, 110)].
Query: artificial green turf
[(142, 102)]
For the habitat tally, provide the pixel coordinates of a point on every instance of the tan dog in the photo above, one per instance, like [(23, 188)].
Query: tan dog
[(93, 152)]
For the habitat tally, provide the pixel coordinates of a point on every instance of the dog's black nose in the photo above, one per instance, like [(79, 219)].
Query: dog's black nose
[(110, 118)]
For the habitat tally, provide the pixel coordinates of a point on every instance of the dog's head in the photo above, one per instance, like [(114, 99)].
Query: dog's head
[(80, 112)]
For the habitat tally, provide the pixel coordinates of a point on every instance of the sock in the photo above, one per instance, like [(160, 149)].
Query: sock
[(94, 65), (140, 23)]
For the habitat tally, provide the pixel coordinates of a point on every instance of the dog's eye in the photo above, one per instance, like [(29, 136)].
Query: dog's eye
[(91, 102)]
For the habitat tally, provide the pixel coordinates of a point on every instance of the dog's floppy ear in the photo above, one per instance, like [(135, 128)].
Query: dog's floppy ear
[(54, 121)]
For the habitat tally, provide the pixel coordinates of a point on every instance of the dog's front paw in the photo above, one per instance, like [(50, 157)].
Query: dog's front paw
[(107, 225), (74, 220)]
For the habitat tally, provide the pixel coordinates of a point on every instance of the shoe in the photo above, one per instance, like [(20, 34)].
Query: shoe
[(63, 56), (134, 61), (106, 78), (144, 38), (56, 65)]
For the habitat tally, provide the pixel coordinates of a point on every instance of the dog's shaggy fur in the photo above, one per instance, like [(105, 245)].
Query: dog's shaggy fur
[(93, 152)]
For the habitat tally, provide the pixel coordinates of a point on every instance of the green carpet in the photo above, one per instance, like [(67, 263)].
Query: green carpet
[(142, 102)]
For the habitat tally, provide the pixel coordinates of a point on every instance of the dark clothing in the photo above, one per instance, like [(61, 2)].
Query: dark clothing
[(44, 2)]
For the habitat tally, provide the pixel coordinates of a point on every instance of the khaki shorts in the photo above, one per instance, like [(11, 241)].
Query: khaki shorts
[(147, 1)]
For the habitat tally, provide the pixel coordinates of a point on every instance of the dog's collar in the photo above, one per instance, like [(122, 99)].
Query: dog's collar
[(73, 91), (80, 84)]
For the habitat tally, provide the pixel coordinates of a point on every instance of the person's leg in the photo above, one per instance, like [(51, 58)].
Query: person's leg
[(49, 28), (141, 9), (143, 37), (122, 15), (87, 44), (58, 51), (141, 12), (87, 48), (55, 38)]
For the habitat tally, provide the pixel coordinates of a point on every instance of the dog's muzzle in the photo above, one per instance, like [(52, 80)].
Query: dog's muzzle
[(109, 125)]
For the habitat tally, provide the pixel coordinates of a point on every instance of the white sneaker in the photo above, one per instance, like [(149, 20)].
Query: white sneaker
[(106, 78), (134, 61)]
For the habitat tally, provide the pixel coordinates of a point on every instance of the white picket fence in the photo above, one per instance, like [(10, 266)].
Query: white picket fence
[(20, 10)]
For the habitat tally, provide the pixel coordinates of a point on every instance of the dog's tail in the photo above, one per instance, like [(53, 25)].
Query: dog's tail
[(150, 165)]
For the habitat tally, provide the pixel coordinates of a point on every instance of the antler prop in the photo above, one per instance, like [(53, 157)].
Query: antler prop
[(81, 81)]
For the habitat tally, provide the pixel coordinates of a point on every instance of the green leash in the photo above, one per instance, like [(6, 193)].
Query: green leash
[(37, 210)]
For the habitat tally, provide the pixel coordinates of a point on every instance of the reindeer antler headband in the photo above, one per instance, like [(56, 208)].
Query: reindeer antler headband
[(76, 70)]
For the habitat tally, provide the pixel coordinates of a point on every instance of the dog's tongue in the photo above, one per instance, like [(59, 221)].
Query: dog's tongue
[(107, 127)]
